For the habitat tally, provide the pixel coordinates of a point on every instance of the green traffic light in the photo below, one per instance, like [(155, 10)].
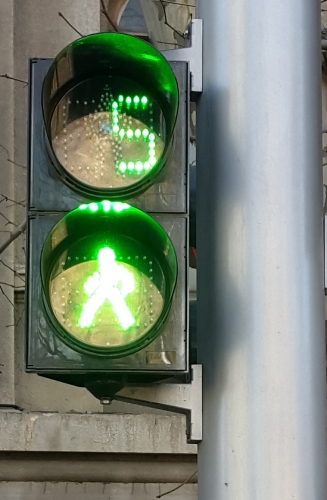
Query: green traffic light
[(119, 106), (108, 272)]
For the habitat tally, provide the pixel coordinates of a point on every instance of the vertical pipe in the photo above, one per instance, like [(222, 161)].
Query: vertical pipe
[(260, 252)]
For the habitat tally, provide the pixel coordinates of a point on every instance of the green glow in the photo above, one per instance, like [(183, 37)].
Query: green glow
[(93, 207), (106, 205), (137, 133), (115, 128), (112, 283), (119, 206), (151, 144), (152, 160), (130, 166), (121, 98), (128, 100), (136, 99), (122, 167), (139, 166), (151, 137), (129, 133), (121, 133), (145, 133), (147, 165), (144, 100), (114, 105)]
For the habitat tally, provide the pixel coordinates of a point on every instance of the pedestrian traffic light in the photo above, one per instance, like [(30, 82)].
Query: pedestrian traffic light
[(108, 272), (107, 252)]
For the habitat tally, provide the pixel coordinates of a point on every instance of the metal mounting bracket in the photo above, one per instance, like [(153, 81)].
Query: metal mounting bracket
[(191, 54), (178, 398)]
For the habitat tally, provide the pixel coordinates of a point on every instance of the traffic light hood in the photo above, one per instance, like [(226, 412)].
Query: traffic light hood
[(110, 101), (112, 55)]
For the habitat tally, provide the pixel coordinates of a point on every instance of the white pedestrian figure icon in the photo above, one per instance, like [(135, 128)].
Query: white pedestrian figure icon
[(112, 282)]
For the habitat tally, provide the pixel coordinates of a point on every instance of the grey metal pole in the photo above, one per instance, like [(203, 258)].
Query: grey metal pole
[(260, 252)]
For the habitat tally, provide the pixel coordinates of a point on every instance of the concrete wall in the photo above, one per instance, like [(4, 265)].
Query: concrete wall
[(62, 445), (7, 188), (76, 451), (28, 28), (94, 491)]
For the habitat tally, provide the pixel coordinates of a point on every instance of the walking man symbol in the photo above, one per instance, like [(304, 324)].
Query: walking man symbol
[(111, 282)]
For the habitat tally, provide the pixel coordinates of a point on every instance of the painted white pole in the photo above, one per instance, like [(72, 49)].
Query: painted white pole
[(260, 252)]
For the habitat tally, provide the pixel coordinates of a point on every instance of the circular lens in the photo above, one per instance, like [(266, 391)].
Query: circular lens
[(109, 100), (108, 273), (95, 129)]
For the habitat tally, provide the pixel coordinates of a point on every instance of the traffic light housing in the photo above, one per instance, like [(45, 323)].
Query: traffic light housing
[(107, 248)]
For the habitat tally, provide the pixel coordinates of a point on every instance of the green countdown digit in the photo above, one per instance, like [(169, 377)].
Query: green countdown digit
[(136, 166)]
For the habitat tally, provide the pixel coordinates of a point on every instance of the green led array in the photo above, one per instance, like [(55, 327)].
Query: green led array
[(137, 167), (106, 206), (128, 100)]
